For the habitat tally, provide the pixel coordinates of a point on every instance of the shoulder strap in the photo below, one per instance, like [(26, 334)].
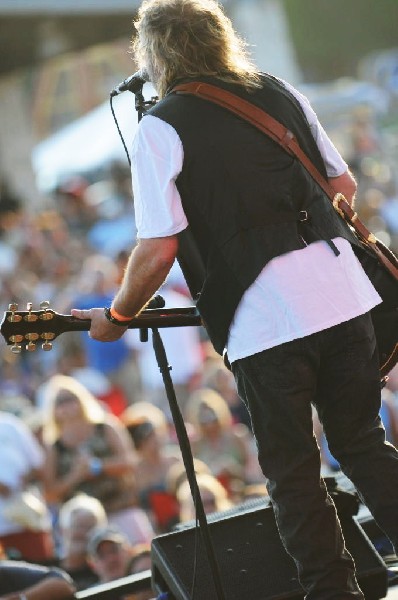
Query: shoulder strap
[(286, 139)]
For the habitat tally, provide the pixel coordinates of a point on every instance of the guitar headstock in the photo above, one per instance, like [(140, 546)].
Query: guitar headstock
[(30, 327)]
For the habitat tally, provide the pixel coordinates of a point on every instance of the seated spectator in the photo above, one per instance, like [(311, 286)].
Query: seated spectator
[(152, 413), (255, 491), (222, 445), (77, 518), (217, 377), (152, 466), (139, 562), (177, 474), (23, 580), (90, 451), (213, 494), (26, 534), (109, 553)]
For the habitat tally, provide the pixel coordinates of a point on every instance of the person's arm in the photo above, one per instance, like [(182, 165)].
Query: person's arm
[(48, 589), (339, 176), (346, 185), (148, 266), (32, 476), (34, 582), (57, 488), (122, 459)]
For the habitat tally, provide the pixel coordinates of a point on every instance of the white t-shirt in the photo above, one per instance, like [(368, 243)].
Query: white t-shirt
[(20, 453), (296, 294)]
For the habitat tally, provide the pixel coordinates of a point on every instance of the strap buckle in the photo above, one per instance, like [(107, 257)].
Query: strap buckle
[(339, 197)]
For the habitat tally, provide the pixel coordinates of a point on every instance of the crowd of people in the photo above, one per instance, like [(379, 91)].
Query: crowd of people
[(94, 458), (92, 470)]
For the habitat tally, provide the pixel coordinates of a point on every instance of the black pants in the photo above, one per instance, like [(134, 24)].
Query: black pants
[(337, 371)]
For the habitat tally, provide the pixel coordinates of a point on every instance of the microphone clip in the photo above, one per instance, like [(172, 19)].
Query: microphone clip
[(142, 105)]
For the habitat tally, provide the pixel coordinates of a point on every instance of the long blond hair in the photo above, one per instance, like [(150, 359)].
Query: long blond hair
[(190, 38), (92, 411)]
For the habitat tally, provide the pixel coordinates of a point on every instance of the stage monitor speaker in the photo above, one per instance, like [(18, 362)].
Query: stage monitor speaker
[(252, 561)]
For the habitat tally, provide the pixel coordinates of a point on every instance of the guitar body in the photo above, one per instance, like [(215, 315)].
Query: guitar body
[(385, 322), (384, 315)]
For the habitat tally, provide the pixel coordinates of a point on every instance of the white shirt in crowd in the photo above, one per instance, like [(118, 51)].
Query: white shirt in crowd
[(296, 294), (20, 453)]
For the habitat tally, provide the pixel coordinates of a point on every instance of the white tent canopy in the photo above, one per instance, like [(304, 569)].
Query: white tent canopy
[(93, 141), (88, 143)]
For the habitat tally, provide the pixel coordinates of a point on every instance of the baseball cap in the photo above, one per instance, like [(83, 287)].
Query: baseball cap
[(104, 534)]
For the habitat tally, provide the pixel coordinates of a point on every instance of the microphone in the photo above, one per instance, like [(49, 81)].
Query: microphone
[(132, 84)]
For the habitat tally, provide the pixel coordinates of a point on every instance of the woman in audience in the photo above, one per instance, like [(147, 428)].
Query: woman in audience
[(222, 445), (213, 494), (88, 450), (153, 463)]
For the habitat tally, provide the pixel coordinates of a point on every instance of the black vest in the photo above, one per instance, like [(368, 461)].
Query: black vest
[(246, 200)]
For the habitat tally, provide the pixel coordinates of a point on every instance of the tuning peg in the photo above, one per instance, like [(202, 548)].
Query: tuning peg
[(46, 314), (16, 349), (30, 317), (30, 347), (13, 318), (47, 345), (32, 337), (16, 339)]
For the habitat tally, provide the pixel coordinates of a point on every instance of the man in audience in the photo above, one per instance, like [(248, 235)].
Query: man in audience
[(109, 553), (78, 517)]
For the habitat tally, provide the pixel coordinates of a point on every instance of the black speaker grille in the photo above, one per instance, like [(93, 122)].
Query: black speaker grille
[(252, 561)]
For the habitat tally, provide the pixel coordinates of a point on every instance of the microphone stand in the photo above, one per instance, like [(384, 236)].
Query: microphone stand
[(188, 460)]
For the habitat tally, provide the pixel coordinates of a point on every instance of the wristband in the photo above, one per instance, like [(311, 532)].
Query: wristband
[(118, 316), (96, 466), (115, 320)]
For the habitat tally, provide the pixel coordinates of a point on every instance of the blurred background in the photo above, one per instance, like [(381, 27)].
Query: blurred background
[(66, 206)]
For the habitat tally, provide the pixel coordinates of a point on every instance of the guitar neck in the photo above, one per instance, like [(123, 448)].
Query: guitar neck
[(44, 326), (147, 319)]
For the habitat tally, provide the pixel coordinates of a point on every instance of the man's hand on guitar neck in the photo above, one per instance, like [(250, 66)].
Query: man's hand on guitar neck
[(101, 329)]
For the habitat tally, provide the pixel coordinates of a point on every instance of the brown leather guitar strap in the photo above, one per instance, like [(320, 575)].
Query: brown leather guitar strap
[(285, 138)]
